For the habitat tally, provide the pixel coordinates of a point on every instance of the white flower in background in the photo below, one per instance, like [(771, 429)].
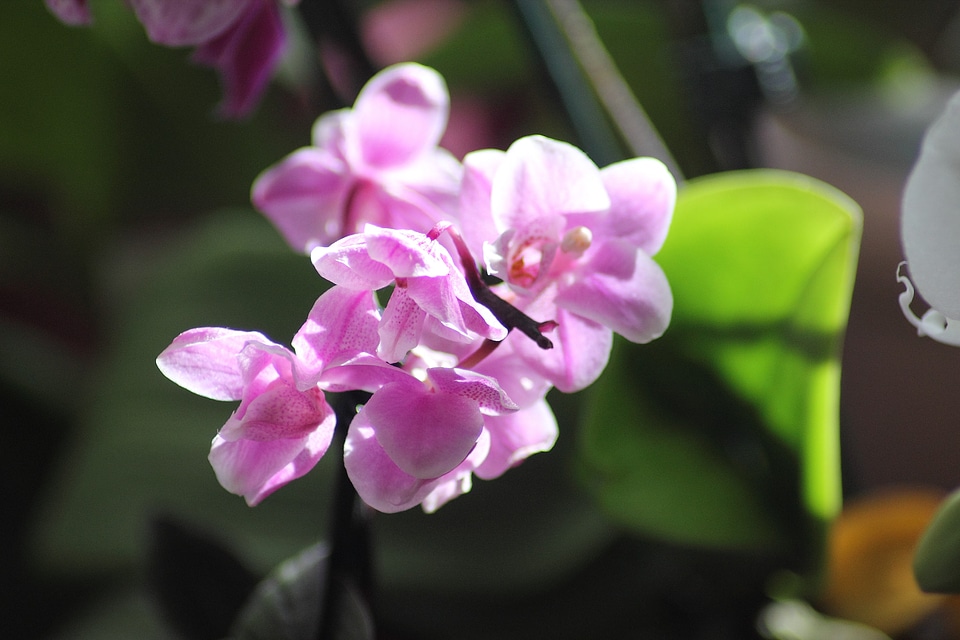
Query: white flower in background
[(930, 229)]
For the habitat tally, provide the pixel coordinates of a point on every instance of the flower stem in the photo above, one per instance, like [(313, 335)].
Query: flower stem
[(508, 315), (348, 564), (599, 69)]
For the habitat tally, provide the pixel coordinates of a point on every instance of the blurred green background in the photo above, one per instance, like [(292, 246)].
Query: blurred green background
[(125, 219)]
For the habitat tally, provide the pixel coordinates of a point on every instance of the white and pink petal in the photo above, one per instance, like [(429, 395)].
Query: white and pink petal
[(642, 194), (581, 350), (348, 263), (341, 325), (206, 361), (400, 113), (540, 177), (304, 196)]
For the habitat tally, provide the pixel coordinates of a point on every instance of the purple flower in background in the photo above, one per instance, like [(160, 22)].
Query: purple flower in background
[(72, 12), (375, 163), (242, 39)]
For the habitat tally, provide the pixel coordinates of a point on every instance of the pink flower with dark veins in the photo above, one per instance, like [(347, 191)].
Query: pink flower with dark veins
[(573, 244), (376, 163)]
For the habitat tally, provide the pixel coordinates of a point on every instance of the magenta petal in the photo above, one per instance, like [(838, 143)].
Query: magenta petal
[(363, 372), (642, 194), (435, 297), (279, 412), (401, 113), (476, 222), (245, 56), (347, 263), (426, 434), (378, 480), (623, 289), (178, 23), (515, 437), (304, 196), (342, 324), (485, 391), (206, 361), (408, 254), (384, 486), (255, 469), (459, 481), (581, 349), (72, 12), (519, 381), (541, 177)]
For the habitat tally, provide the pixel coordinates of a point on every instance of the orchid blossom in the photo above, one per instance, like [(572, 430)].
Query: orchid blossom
[(573, 243), (415, 437), (278, 433), (375, 163), (283, 425)]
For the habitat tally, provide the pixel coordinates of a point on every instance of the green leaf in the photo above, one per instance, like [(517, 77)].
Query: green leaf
[(724, 432), (936, 562), (285, 606)]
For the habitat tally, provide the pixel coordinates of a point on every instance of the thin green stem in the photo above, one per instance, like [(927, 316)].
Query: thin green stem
[(591, 87), (600, 70)]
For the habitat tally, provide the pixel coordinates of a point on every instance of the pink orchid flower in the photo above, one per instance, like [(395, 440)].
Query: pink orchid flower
[(414, 438), (375, 163), (279, 431), (242, 39), (430, 293), (573, 244), (283, 425)]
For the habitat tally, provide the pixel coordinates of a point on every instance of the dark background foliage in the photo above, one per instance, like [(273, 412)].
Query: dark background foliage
[(124, 219)]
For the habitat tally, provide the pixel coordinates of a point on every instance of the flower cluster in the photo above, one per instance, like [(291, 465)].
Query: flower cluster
[(503, 276), (242, 39)]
